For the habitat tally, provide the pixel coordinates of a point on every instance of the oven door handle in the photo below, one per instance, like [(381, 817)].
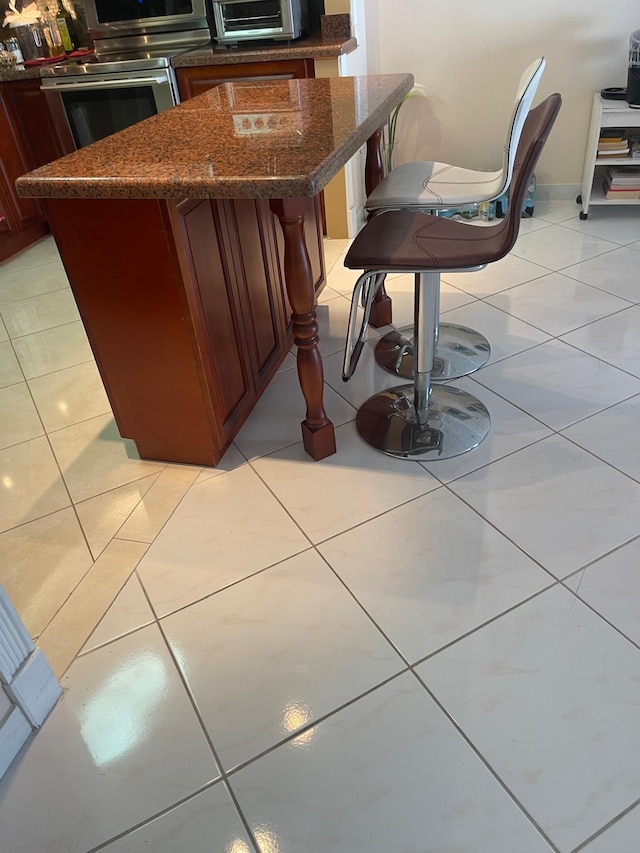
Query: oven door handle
[(60, 86)]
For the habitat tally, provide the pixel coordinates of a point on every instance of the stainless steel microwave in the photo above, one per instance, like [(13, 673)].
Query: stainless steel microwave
[(253, 20), (143, 17)]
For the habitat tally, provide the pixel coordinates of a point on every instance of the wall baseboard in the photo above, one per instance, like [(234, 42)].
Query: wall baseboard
[(558, 191)]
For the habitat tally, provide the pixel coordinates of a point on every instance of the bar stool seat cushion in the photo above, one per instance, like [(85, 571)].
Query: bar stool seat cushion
[(431, 185), (410, 240)]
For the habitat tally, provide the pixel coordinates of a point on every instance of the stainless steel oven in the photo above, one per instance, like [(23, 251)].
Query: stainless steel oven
[(101, 103), (130, 77), (254, 20)]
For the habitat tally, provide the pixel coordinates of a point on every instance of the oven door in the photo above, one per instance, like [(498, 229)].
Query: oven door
[(103, 105), (241, 20)]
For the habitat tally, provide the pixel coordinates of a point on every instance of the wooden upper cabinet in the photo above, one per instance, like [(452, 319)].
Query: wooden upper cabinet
[(195, 81)]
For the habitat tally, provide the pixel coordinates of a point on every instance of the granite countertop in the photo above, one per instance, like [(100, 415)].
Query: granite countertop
[(274, 139), (19, 73), (313, 47)]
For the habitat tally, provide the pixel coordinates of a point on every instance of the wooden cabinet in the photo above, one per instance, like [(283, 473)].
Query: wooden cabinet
[(194, 81), (27, 140), (185, 309)]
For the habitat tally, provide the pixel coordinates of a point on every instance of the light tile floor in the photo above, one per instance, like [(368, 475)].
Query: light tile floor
[(360, 654)]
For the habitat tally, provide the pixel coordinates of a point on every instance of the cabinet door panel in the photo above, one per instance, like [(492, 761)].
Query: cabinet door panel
[(43, 139), (262, 308), (218, 295), (24, 211), (195, 81)]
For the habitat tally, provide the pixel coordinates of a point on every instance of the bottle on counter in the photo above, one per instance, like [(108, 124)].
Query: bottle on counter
[(66, 27), (51, 33), (13, 47)]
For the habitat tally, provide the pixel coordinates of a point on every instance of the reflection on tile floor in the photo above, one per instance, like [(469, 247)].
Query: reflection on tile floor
[(361, 654)]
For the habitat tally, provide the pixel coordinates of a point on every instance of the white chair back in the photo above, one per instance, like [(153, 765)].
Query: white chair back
[(525, 93)]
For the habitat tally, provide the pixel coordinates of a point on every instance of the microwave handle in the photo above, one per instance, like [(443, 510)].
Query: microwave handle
[(99, 84)]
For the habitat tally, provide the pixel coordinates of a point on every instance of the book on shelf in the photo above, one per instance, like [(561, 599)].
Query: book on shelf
[(612, 142), (621, 193), (623, 175)]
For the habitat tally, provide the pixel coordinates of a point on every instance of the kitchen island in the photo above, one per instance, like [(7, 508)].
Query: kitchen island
[(187, 289)]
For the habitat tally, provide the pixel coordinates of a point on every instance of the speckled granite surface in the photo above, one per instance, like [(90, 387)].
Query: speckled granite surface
[(8, 74), (335, 26), (277, 139), (314, 47)]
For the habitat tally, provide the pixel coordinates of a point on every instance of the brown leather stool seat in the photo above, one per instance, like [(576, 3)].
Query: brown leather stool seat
[(418, 420)]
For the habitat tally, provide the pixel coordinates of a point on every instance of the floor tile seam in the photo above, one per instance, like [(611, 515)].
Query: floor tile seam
[(192, 700), (44, 329), (208, 737), (62, 369), (155, 816), (615, 247), (5, 303), (558, 335), (599, 358), (22, 441), (592, 607), (291, 444), (26, 268), (277, 499), (618, 245), (566, 331), (503, 290), (404, 660), (83, 653), (50, 373), (566, 274), (38, 518), (82, 420), (475, 377), (38, 414), (18, 362), (607, 825), (451, 480), (476, 750), (120, 486), (141, 500), (485, 301), (377, 515), (313, 723), (478, 374), (537, 562), (571, 440), (226, 586), (555, 582)]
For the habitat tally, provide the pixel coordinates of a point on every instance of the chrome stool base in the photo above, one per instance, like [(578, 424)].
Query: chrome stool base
[(456, 422), (459, 352)]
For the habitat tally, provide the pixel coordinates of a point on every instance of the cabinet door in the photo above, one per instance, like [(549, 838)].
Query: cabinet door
[(195, 81), (20, 213), (261, 290), (43, 138)]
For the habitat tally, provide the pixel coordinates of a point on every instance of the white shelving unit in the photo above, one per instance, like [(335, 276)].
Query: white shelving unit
[(605, 113)]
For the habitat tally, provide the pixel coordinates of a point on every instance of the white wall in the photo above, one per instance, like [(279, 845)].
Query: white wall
[(470, 56)]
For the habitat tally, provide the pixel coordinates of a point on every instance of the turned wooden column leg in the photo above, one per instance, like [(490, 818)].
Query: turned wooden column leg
[(318, 433), (373, 173)]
